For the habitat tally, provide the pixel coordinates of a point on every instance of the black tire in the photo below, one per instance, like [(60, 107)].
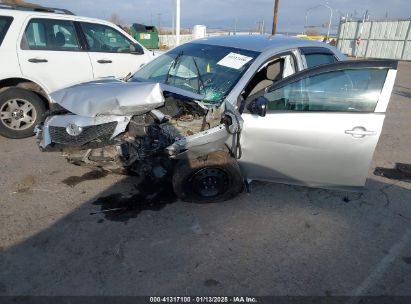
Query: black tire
[(26, 119), (214, 178)]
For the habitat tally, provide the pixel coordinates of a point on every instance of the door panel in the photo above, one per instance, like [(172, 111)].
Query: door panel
[(311, 149), (50, 54), (321, 128), (110, 52)]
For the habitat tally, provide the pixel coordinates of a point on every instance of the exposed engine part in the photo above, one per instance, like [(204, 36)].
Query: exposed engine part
[(139, 125), (192, 119), (141, 148), (106, 157), (172, 107)]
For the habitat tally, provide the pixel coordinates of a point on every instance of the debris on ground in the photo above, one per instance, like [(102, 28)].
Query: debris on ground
[(401, 172)]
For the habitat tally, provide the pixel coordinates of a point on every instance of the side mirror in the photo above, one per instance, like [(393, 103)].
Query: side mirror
[(136, 49), (258, 106)]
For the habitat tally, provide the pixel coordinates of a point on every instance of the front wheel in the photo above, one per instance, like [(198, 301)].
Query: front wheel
[(212, 179), (20, 111)]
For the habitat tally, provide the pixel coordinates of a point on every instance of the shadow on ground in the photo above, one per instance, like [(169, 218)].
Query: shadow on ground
[(284, 240)]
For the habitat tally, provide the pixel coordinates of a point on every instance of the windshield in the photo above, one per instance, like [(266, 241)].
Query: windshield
[(209, 70)]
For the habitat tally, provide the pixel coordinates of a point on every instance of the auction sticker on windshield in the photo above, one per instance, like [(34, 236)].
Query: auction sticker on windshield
[(234, 61)]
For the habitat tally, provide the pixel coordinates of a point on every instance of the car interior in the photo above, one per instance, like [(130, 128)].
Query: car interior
[(272, 71)]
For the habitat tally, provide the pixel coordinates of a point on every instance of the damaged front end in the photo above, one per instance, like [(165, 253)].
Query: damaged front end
[(138, 127)]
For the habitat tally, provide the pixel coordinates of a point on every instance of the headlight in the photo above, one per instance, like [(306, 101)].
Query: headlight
[(73, 129)]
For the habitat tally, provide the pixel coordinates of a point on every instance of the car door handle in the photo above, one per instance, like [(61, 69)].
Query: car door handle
[(37, 60), (103, 61), (360, 132)]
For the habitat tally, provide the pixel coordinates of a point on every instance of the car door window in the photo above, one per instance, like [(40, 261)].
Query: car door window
[(4, 26), (50, 34), (351, 90), (317, 56), (102, 38), (270, 72), (318, 59)]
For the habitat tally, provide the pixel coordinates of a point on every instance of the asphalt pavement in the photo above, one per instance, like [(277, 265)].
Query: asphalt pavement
[(277, 240)]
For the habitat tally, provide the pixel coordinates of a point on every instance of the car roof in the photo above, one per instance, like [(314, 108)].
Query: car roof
[(23, 13), (260, 43)]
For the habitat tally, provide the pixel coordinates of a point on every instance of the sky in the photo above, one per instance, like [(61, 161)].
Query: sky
[(226, 13)]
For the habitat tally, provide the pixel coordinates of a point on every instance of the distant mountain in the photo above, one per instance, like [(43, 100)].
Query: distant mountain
[(20, 2)]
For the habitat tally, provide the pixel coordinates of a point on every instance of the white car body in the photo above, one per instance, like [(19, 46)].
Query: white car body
[(44, 70)]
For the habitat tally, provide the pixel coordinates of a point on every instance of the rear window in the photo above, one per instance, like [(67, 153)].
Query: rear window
[(4, 26)]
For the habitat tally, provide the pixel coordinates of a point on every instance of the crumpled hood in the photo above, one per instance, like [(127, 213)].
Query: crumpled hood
[(110, 97)]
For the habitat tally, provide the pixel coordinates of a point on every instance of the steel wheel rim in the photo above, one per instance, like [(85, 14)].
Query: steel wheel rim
[(209, 182), (18, 114)]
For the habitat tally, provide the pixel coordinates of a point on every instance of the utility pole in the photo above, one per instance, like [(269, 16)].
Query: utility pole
[(173, 27), (274, 30), (177, 22), (259, 27), (159, 22)]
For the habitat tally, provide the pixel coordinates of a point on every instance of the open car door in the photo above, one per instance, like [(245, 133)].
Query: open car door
[(318, 127)]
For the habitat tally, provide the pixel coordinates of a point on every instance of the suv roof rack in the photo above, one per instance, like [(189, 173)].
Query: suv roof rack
[(36, 9)]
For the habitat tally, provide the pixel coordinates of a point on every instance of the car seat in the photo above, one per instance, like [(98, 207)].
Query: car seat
[(267, 76)]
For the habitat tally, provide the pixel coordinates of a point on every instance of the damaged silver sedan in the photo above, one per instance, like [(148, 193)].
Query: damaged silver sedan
[(214, 114)]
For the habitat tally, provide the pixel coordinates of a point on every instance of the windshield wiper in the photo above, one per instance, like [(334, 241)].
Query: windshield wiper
[(200, 79), (173, 65), (127, 77)]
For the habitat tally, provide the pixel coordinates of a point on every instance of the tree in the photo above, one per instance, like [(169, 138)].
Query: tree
[(312, 31), (115, 18), (20, 2)]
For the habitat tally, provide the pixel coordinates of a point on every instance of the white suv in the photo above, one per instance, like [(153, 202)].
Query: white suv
[(45, 49)]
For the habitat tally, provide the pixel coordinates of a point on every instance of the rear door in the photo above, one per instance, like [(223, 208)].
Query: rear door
[(322, 125), (112, 53), (50, 54)]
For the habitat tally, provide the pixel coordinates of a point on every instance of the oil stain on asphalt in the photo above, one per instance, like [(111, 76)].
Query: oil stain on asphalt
[(152, 195), (25, 184)]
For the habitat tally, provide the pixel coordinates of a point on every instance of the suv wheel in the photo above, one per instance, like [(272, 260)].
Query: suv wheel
[(214, 179), (20, 111)]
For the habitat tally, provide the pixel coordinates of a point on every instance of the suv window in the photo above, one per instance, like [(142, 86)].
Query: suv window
[(50, 34), (355, 90), (317, 55), (102, 38), (4, 26)]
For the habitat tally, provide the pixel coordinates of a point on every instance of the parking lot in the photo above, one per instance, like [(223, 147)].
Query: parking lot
[(277, 240)]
